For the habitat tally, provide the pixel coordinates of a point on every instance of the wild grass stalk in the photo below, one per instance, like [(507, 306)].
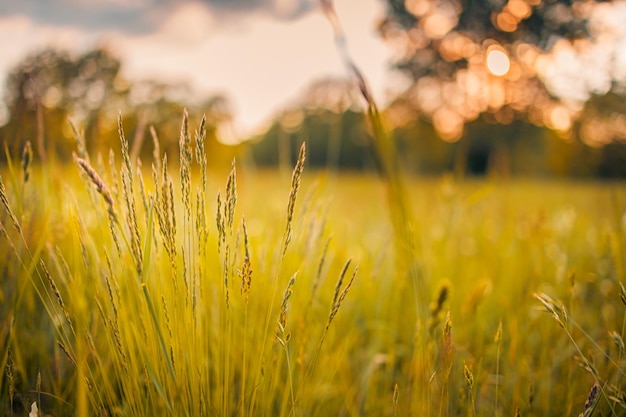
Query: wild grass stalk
[(245, 275), (10, 374), (27, 160), (498, 342), (405, 230), (185, 161), (7, 207), (396, 396), (389, 169), (469, 380), (559, 313), (127, 177), (293, 193), (447, 357), (119, 343), (283, 337)]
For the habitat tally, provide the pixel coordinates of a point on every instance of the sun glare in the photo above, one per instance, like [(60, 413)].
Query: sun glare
[(498, 62)]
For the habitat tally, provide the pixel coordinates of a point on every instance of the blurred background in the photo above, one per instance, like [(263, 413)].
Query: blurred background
[(482, 87)]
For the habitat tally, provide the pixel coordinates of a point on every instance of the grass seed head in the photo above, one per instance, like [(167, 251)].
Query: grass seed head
[(57, 294), (142, 187), (469, 376), (101, 187), (436, 306), (219, 220), (67, 352), (498, 336), (10, 373), (293, 193), (585, 364), (557, 309), (616, 394), (5, 202), (340, 294), (156, 149), (245, 274), (246, 245), (395, 395), (27, 159), (200, 138), (617, 339), (447, 351), (113, 171), (124, 143), (231, 197), (281, 333), (590, 403), (184, 145)]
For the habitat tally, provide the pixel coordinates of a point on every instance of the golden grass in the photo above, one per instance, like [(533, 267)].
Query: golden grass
[(152, 309)]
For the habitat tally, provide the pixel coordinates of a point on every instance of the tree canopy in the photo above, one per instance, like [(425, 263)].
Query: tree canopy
[(498, 59), (50, 89)]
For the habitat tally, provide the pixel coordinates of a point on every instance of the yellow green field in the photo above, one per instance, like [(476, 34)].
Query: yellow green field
[(175, 291)]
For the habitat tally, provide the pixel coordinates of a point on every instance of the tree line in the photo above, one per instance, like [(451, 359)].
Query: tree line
[(51, 90)]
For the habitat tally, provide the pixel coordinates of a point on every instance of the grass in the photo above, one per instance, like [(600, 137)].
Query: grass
[(156, 288), (134, 291)]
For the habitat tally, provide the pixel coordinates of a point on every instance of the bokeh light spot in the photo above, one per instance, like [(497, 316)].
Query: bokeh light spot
[(498, 62)]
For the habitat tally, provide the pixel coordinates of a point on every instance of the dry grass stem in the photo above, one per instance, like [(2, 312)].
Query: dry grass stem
[(125, 152), (340, 294), (99, 184), (281, 333), (200, 138), (7, 206), (245, 274), (293, 193), (10, 373), (156, 149), (57, 294), (27, 159), (186, 158)]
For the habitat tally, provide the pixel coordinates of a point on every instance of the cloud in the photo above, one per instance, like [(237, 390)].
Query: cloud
[(92, 14), (284, 9), (141, 16), (263, 65), (257, 53)]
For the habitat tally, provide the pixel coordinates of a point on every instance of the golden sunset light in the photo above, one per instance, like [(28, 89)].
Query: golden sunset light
[(498, 62), (296, 208)]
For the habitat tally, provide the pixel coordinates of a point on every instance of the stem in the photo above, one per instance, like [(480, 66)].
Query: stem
[(243, 367), (293, 401), (497, 379)]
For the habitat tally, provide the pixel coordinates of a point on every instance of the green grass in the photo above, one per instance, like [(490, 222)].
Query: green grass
[(161, 302)]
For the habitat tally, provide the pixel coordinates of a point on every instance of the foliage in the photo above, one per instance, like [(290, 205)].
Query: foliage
[(51, 90), (445, 46), (338, 140), (533, 22)]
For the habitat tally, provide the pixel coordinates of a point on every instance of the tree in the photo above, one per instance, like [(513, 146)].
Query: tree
[(324, 116), (51, 88), (491, 59)]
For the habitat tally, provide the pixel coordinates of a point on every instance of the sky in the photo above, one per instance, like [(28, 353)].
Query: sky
[(263, 54), (260, 54)]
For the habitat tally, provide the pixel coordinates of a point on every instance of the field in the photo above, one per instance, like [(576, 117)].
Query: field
[(182, 291)]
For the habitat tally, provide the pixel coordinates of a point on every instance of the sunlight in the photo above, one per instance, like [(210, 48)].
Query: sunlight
[(559, 119), (498, 62)]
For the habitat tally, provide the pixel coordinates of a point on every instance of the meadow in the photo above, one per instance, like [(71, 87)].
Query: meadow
[(168, 288)]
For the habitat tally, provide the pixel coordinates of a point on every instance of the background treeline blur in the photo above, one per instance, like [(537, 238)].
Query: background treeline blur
[(51, 88)]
